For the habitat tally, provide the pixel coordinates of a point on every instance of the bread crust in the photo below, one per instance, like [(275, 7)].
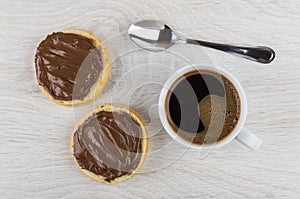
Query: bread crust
[(97, 88), (145, 144)]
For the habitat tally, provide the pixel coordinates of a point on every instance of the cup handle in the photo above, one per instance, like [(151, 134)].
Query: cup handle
[(248, 139)]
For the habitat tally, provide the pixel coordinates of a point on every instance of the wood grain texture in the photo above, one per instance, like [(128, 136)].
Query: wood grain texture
[(35, 153)]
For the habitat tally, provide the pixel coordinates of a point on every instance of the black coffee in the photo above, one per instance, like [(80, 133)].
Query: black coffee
[(204, 106)]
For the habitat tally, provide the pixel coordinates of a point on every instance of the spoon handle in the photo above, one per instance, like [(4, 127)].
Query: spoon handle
[(260, 54)]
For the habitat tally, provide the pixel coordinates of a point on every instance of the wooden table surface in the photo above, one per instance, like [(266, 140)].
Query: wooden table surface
[(35, 154)]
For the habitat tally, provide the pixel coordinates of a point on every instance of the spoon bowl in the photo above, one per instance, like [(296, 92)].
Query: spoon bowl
[(152, 35)]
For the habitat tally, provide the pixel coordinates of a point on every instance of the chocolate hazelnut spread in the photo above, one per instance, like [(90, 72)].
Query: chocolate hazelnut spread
[(68, 65), (108, 144)]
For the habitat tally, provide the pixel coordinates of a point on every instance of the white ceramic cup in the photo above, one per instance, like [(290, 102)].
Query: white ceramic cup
[(239, 132)]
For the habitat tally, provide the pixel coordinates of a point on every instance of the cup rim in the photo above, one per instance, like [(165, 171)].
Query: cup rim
[(163, 115)]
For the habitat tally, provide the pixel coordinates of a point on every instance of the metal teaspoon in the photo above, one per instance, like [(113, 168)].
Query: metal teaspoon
[(155, 35)]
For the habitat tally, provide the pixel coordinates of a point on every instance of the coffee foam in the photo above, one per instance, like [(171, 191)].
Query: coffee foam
[(219, 115)]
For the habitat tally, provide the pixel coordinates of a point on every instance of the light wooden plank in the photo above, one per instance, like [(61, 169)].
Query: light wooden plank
[(35, 152)]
